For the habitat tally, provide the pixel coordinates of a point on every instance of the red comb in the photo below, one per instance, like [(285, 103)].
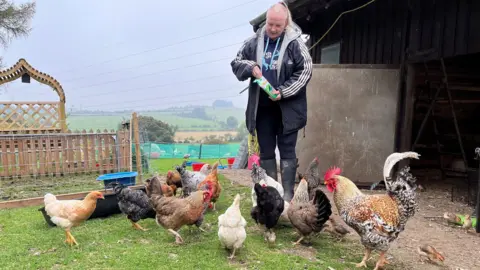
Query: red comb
[(169, 174), (316, 159), (264, 186), (331, 173)]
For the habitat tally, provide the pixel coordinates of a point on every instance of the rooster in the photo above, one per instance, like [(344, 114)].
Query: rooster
[(212, 180), (71, 213), (259, 175), (312, 176), (378, 219), (308, 216)]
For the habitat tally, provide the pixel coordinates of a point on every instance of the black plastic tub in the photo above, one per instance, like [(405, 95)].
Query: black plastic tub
[(104, 208)]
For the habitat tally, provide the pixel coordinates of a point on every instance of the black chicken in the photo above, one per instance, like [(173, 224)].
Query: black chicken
[(134, 203), (268, 210)]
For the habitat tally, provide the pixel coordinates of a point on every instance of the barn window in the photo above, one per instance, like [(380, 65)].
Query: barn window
[(331, 54)]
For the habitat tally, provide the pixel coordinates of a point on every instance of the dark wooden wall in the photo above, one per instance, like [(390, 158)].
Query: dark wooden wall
[(382, 31)]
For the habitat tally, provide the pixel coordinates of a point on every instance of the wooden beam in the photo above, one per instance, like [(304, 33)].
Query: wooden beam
[(138, 153), (39, 200)]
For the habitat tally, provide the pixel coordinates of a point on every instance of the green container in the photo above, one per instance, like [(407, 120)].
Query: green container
[(266, 86)]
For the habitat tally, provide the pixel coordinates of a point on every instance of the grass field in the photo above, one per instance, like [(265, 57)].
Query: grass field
[(111, 243), (111, 121)]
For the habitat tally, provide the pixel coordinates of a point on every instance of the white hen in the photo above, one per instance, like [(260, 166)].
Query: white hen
[(231, 227)]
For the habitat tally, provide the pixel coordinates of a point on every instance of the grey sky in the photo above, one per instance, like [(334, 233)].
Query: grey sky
[(71, 39)]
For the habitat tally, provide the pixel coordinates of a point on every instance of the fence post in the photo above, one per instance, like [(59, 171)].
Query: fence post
[(200, 151), (138, 155)]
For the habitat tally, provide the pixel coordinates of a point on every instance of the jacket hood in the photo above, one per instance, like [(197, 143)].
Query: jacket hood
[(292, 31)]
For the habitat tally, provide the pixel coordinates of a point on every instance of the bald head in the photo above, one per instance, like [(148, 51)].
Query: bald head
[(277, 20)]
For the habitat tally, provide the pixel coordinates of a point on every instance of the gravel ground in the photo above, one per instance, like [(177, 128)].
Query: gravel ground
[(461, 249)]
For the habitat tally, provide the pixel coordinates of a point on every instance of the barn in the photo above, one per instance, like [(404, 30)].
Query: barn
[(393, 76)]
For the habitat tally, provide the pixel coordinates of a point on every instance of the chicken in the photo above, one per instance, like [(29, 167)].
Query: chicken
[(212, 180), (206, 169), (71, 213), (231, 227), (452, 218), (174, 179), (190, 180), (378, 219), (430, 253), (269, 207), (172, 213), (134, 203), (259, 175), (467, 224), (312, 175), (308, 216), (338, 229)]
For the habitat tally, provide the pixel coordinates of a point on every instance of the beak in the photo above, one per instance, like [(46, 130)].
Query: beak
[(102, 197)]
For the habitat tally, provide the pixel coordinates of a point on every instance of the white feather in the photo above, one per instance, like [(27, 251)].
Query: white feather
[(392, 159)]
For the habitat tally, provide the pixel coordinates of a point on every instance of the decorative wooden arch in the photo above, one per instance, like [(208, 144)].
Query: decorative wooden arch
[(34, 117)]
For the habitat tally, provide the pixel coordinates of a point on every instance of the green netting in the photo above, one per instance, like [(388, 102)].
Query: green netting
[(157, 150)]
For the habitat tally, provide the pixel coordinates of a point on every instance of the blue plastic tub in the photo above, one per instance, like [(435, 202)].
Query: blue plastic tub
[(125, 178)]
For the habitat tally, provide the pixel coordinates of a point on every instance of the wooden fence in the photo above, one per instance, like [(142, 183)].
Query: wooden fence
[(58, 154)]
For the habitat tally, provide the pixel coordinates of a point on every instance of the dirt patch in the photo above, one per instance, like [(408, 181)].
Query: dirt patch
[(461, 250)]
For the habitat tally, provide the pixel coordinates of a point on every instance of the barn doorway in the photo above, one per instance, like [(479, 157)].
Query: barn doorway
[(445, 136)]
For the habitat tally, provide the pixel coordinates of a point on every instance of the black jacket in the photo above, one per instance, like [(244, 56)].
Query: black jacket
[(293, 75)]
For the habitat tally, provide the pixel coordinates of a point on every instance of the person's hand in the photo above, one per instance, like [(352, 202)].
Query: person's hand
[(278, 95), (257, 73)]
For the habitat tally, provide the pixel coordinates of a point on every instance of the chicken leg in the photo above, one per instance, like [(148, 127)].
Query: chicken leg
[(381, 261), (363, 263), (233, 254), (299, 240), (69, 238), (137, 226), (178, 238)]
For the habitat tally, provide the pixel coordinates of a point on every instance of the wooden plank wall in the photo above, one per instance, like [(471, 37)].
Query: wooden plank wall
[(381, 32), (35, 155)]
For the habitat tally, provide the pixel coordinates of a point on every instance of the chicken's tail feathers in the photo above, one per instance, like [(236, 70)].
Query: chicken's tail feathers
[(393, 158), (214, 169), (49, 198), (323, 207)]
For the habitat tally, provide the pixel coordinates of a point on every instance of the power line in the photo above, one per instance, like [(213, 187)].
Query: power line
[(193, 20), (156, 62), (155, 86), (153, 73), (175, 103), (158, 98), (157, 48)]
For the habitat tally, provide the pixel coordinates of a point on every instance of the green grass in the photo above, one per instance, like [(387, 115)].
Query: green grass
[(14, 189), (28, 242)]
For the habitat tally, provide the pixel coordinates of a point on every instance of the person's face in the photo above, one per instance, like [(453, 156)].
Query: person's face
[(275, 24)]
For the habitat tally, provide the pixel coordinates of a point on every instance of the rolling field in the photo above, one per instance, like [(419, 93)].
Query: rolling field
[(110, 120)]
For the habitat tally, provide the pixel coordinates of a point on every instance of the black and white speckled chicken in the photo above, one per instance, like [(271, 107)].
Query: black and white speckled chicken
[(134, 203)]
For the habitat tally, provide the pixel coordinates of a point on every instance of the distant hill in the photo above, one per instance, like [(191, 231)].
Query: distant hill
[(187, 118)]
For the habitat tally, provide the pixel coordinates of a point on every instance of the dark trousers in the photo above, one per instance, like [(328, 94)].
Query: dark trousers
[(269, 133)]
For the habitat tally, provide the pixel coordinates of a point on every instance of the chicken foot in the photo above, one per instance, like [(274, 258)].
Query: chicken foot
[(381, 261), (363, 263), (299, 240), (137, 226), (70, 239), (178, 238)]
